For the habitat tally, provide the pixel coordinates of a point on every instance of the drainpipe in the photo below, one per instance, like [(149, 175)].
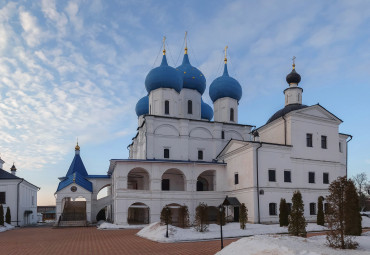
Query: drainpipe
[(284, 129), (258, 187), (18, 200), (350, 138)]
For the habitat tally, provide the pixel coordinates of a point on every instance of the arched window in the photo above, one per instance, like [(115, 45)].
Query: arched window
[(231, 114), (166, 107), (166, 153), (190, 107)]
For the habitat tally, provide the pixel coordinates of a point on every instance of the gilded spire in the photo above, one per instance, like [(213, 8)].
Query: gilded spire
[(226, 54), (186, 42), (164, 45), (77, 148), (293, 62)]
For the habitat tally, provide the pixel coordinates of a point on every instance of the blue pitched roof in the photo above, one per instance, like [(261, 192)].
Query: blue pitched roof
[(77, 166), (75, 178)]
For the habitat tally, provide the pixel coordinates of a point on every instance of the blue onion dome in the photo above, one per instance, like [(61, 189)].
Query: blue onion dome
[(225, 86), (293, 77), (163, 76), (206, 111), (142, 106), (192, 77)]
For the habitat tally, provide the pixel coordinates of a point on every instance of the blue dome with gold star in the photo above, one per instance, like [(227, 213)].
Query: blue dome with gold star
[(164, 76), (206, 111), (192, 77), (225, 86), (142, 106)]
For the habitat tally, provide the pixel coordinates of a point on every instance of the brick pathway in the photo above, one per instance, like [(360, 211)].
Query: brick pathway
[(45, 240)]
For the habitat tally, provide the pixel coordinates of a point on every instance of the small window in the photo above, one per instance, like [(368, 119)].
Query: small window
[(272, 209), (166, 153), (231, 114), (200, 154), (166, 107), (287, 176), (309, 140), (236, 178), (272, 175), (289, 206), (150, 109), (190, 107), (2, 198), (165, 184), (340, 146), (222, 134), (325, 178), (33, 200), (312, 208), (323, 142), (311, 177)]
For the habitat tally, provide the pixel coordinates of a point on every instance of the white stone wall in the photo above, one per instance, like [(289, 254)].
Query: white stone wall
[(27, 201), (195, 97), (222, 108), (184, 137)]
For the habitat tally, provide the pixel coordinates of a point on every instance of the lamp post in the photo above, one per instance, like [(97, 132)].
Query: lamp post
[(221, 209), (167, 218)]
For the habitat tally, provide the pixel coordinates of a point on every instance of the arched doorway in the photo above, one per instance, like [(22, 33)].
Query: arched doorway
[(212, 214), (102, 214), (206, 181), (74, 210), (138, 179), (173, 179), (175, 213), (138, 213)]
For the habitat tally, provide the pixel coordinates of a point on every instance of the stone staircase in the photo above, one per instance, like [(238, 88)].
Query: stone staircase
[(73, 223), (74, 215)]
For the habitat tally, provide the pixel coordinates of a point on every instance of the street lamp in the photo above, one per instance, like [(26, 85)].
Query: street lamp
[(221, 209), (167, 218)]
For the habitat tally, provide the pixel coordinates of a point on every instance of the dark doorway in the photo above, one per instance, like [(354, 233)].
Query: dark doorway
[(165, 184), (236, 214)]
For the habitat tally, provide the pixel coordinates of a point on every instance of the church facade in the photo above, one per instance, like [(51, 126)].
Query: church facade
[(186, 153)]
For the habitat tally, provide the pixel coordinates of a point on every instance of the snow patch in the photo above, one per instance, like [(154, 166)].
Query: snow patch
[(290, 245), (6, 227), (106, 226)]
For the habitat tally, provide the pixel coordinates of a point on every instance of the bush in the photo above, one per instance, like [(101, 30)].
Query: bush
[(184, 221), (166, 216), (297, 222), (283, 215), (243, 216), (8, 217), (320, 220), (201, 218), (338, 214), (352, 213)]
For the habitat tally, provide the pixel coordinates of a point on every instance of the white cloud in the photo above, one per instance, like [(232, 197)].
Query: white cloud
[(32, 33)]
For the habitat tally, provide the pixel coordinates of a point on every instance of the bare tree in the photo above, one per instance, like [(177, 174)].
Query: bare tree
[(362, 184), (201, 218)]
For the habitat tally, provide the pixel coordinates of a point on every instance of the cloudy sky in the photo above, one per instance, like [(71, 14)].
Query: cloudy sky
[(73, 69)]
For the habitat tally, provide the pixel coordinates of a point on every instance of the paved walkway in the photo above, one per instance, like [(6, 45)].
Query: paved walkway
[(45, 240)]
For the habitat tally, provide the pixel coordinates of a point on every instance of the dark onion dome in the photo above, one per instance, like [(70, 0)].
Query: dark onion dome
[(293, 77), (163, 76), (286, 110), (13, 168), (192, 77), (142, 106), (206, 111), (225, 86)]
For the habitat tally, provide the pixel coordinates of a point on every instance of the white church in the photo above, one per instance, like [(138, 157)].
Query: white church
[(186, 152)]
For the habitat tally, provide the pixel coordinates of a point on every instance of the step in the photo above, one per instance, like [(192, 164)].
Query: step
[(73, 223)]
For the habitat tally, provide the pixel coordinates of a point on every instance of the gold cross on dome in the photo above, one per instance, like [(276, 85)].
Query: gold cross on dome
[(164, 45), (293, 61), (226, 54)]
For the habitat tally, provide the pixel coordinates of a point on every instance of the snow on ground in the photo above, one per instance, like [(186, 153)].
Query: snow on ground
[(156, 232), (365, 222), (106, 225), (6, 227), (290, 245)]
